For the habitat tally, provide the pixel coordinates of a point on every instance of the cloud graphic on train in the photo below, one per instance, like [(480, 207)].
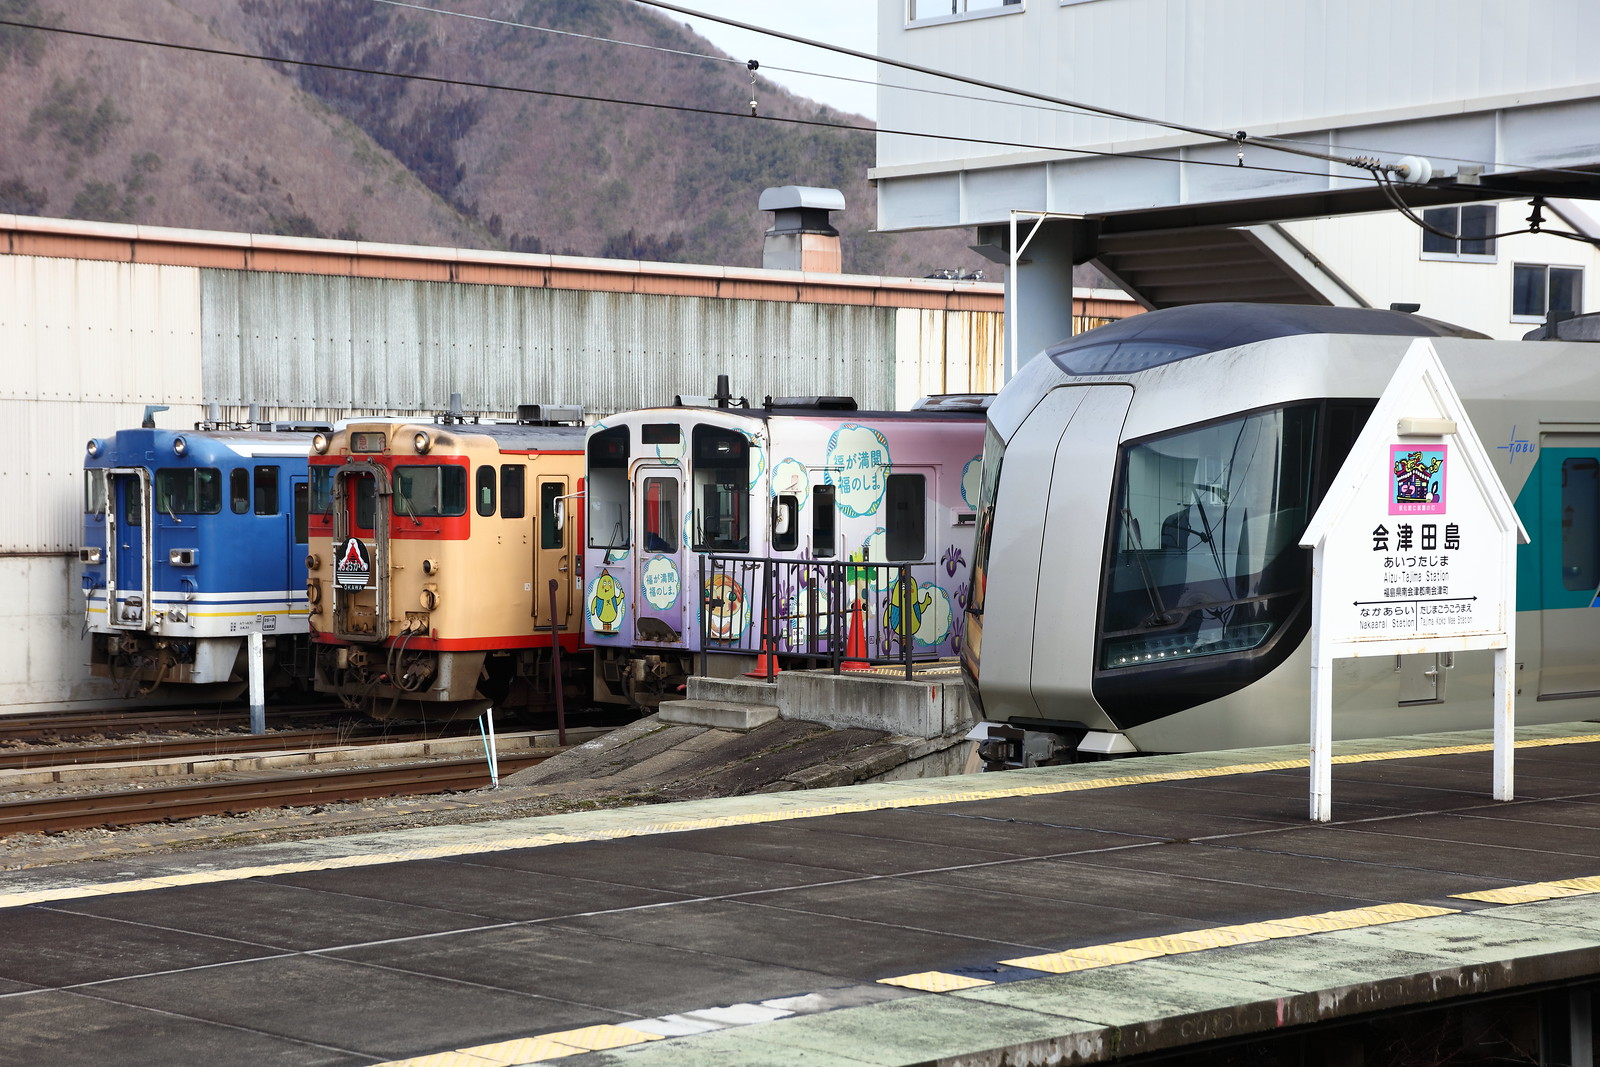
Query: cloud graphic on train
[(856, 459)]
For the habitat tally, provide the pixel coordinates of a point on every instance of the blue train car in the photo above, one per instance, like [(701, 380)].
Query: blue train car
[(193, 540)]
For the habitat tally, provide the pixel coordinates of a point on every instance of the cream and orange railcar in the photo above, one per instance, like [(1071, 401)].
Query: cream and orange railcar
[(444, 559)]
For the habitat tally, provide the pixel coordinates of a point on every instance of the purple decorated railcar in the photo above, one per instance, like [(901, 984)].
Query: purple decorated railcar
[(723, 538)]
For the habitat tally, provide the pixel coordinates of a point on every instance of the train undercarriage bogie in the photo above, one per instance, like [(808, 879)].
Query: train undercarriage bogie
[(143, 665), (645, 679), (396, 682)]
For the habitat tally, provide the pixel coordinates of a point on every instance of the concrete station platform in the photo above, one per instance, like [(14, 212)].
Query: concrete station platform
[(1053, 915)]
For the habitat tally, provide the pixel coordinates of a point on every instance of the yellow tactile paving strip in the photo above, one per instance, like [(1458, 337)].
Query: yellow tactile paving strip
[(572, 1042), (1145, 948), (785, 808)]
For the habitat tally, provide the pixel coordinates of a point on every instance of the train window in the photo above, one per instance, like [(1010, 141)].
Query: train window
[(722, 490), (824, 536), (661, 433), (267, 491), (513, 502), (661, 522), (607, 489), (1580, 523), (366, 492), (1206, 529), (429, 490), (94, 492), (239, 490), (189, 491), (551, 533), (786, 523), (302, 517), (906, 502), (485, 490), (132, 502), (321, 490)]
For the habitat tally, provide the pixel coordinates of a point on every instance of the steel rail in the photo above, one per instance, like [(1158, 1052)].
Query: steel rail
[(133, 807), (77, 723), (191, 747)]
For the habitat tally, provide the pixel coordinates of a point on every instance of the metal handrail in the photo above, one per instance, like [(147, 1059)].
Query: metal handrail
[(809, 609)]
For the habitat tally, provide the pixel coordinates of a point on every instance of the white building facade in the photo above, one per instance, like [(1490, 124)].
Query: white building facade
[(1189, 148)]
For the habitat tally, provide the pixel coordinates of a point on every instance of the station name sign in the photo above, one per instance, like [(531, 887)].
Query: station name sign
[(1413, 551)]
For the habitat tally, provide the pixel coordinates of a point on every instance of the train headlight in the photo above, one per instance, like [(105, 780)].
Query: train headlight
[(180, 447), (91, 555), (319, 443), (94, 447), (313, 561), (430, 566), (423, 442), (430, 598)]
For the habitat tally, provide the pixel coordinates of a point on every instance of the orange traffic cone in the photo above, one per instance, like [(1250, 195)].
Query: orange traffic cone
[(766, 663), (855, 646)]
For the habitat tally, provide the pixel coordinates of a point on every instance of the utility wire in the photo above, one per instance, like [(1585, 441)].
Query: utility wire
[(1376, 168), (680, 108), (1240, 138)]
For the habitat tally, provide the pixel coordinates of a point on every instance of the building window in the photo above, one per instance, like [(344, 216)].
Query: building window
[(925, 10), (1471, 227), (1537, 290)]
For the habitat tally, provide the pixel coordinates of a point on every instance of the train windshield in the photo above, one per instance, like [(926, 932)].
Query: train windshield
[(189, 491), (432, 491), (994, 452), (1206, 525), (321, 490)]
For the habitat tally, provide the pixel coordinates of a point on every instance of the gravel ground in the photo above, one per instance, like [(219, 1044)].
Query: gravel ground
[(19, 851)]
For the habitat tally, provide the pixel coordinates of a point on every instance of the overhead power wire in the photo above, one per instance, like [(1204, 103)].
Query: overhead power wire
[(1380, 171), (1535, 219), (1053, 109), (657, 105), (1239, 138)]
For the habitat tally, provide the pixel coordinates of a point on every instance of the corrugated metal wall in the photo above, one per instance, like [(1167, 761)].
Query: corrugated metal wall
[(315, 342), (85, 345)]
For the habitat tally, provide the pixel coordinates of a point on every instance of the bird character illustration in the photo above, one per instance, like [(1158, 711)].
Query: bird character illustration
[(606, 607), (902, 615)]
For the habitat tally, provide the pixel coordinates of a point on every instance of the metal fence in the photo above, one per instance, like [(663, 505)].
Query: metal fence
[(836, 613)]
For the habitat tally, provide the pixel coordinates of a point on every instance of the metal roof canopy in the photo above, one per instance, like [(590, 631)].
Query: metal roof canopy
[(1201, 185)]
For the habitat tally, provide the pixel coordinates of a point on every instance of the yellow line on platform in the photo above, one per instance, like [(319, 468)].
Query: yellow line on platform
[(785, 808)]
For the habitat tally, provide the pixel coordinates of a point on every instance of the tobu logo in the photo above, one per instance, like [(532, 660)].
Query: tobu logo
[(354, 568)]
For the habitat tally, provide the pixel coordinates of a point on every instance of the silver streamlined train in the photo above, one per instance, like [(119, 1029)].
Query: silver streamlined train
[(1138, 580)]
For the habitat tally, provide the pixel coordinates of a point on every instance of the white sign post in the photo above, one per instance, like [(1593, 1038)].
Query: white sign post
[(1413, 550)]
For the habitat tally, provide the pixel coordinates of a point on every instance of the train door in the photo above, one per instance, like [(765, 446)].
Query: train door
[(361, 553), (1567, 547), (128, 540), (552, 553), (658, 538)]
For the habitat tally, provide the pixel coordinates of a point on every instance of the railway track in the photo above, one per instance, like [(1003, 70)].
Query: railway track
[(133, 807), (35, 726), (220, 745)]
